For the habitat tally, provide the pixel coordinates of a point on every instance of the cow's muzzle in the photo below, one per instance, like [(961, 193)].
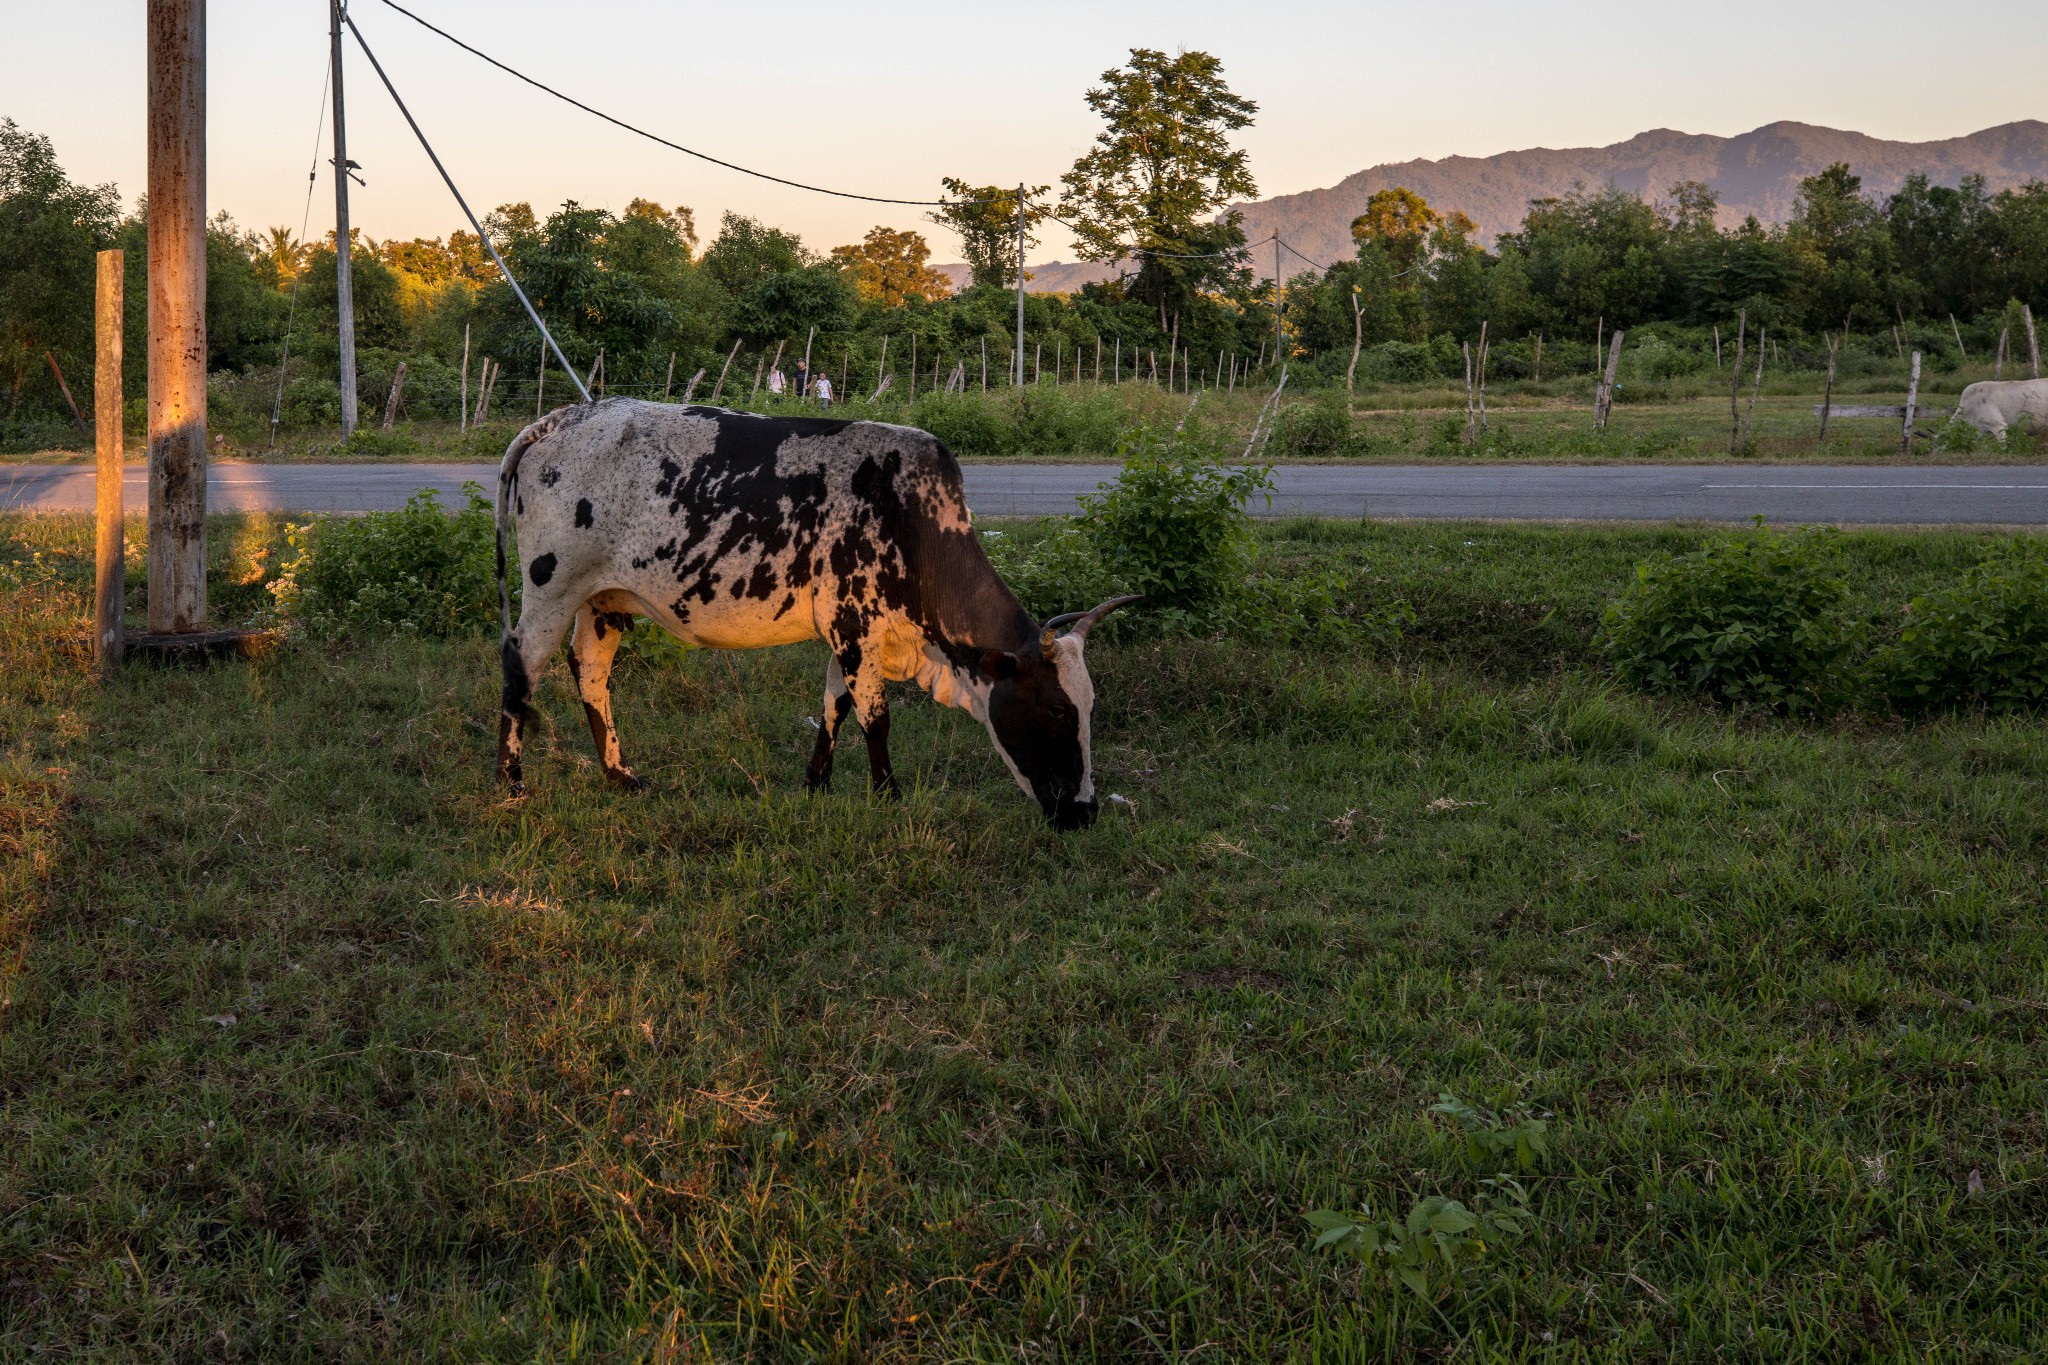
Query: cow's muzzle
[(1068, 814)]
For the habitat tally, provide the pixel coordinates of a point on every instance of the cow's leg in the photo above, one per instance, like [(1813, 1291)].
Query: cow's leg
[(591, 651), (543, 621), (838, 701), (871, 710)]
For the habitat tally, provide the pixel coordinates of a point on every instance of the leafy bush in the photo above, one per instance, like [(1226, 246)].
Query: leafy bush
[(1754, 617), (1039, 420), (1053, 570), (1174, 526), (1982, 642), (415, 571), (311, 402), (374, 441), (1321, 426)]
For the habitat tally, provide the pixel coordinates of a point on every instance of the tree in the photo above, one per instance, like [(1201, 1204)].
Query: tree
[(49, 230), (1158, 170), (1400, 221), (985, 216), (284, 254), (1840, 249), (888, 267), (748, 251)]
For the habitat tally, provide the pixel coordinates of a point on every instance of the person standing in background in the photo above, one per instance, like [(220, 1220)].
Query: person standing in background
[(823, 387), (777, 383), (803, 379)]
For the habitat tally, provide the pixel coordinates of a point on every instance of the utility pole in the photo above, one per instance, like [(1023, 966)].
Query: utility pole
[(177, 315), (344, 289), (1277, 334), (1018, 380)]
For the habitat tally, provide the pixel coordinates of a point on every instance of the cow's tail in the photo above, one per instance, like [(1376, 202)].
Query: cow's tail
[(508, 498)]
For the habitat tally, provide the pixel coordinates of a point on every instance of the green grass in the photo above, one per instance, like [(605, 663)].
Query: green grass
[(315, 1048), (1681, 419)]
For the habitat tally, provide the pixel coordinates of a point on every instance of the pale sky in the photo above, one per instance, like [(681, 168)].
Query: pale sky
[(885, 97)]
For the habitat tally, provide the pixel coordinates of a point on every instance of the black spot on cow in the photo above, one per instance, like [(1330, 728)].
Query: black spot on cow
[(549, 476), (583, 517), (541, 570)]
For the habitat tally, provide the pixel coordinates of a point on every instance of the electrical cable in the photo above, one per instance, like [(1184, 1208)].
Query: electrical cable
[(674, 146), (482, 236), (292, 314)]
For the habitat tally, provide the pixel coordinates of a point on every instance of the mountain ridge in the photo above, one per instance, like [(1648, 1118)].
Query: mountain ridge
[(1756, 172)]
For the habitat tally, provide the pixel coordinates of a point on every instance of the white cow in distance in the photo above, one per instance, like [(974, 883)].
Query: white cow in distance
[(1992, 405)]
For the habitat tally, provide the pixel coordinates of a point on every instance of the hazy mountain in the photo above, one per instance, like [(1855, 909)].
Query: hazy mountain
[(1757, 172), (1047, 277)]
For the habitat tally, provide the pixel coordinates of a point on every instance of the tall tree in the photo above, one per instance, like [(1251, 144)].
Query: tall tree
[(985, 216), (1160, 167), (888, 267), (49, 230)]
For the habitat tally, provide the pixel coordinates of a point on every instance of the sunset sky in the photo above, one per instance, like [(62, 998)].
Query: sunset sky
[(885, 97)]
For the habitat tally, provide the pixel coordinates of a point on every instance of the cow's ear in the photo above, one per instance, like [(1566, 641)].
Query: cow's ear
[(997, 664)]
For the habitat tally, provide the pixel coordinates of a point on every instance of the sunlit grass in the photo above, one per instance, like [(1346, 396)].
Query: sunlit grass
[(317, 1048)]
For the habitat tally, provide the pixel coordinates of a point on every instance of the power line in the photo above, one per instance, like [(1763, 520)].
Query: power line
[(446, 179), (657, 138)]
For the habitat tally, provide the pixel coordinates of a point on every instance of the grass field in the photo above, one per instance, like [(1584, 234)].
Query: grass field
[(312, 1047), (1679, 419)]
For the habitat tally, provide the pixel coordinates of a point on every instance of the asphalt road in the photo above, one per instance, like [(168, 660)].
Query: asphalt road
[(1867, 495)]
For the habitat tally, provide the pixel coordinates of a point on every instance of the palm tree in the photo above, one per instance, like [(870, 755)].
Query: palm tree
[(285, 254)]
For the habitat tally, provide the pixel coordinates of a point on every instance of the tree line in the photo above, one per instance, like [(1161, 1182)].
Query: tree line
[(639, 287)]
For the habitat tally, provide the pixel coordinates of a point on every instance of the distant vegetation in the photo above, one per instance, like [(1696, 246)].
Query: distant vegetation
[(1942, 270)]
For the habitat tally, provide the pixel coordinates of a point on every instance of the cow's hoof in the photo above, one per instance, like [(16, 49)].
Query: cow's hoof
[(629, 781)]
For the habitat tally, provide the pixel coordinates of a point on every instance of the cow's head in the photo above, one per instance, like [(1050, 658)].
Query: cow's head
[(1040, 702)]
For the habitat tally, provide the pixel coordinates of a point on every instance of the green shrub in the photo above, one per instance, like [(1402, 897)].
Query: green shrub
[(1053, 568), (1174, 526), (414, 571), (1320, 426), (1982, 642), (374, 442), (1039, 420), (1754, 617)]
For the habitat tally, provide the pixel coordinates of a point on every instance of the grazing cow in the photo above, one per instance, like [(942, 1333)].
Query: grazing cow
[(1992, 405), (737, 531)]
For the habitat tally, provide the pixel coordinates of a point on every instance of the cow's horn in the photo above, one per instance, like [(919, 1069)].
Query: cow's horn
[(1084, 621)]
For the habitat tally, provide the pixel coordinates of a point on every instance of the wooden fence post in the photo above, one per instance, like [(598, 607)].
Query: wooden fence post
[(109, 543), (1959, 336), (65, 389), (2033, 342), (1483, 325), (719, 387), (1828, 397), (1735, 385), (1466, 347), (690, 389), (669, 382), (1762, 335), (1912, 401), (1998, 362), (463, 407), (1606, 399), (391, 403)]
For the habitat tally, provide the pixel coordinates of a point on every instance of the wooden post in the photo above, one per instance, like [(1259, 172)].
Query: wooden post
[(589, 380), (344, 237), (484, 382), (1098, 357), (1735, 386), (1912, 401), (1038, 363), (690, 389), (1606, 402), (463, 407), (1482, 373), (391, 403), (807, 361), (759, 367), (719, 387), (1539, 358), (177, 315), (1827, 398), (1898, 341), (2033, 342), (984, 364), (1762, 332), (1964, 350), (1466, 347), (65, 389), (2004, 338), (540, 383), (109, 542), (669, 382), (1357, 344), (882, 368), (1717, 345), (1116, 364)]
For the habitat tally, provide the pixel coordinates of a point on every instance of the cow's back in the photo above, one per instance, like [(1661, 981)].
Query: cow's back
[(726, 526)]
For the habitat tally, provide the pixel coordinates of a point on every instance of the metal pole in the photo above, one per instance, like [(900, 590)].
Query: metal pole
[(108, 552), (344, 288), (177, 315), (1020, 287)]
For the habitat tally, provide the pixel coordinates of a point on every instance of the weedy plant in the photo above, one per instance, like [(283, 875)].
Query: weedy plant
[(1518, 1131), (1981, 642), (1755, 617), (416, 571), (1432, 1250)]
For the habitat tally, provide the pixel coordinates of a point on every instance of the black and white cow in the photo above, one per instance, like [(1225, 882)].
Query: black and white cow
[(736, 531)]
